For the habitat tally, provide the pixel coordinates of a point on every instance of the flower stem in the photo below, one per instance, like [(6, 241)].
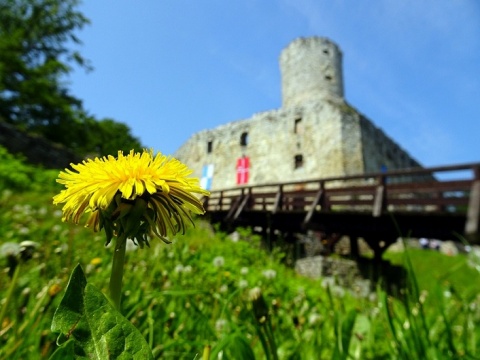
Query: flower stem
[(117, 270)]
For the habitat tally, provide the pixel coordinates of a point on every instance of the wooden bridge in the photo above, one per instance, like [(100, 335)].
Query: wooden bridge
[(439, 202)]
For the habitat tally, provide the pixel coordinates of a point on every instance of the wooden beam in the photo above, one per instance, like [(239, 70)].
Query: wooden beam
[(234, 207), (241, 207), (318, 199)]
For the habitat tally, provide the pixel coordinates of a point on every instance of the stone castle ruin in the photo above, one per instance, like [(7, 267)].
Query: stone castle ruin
[(315, 134)]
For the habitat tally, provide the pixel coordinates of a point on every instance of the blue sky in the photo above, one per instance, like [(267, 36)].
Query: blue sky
[(174, 67)]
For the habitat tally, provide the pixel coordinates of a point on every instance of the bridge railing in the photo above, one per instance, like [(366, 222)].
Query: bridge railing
[(418, 190)]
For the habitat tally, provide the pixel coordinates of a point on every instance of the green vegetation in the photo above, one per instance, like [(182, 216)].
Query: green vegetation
[(432, 268), (15, 175), (208, 290), (37, 53)]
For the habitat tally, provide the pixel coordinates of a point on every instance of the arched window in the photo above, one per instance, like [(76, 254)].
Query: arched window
[(244, 139)]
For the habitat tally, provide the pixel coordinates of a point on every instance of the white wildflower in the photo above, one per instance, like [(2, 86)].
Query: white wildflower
[(255, 293), (56, 228), (313, 318), (269, 274), (219, 261), (23, 230), (220, 325), (235, 236)]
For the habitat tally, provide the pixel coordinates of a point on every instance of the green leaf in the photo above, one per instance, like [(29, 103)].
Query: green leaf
[(98, 330), (66, 351), (343, 332)]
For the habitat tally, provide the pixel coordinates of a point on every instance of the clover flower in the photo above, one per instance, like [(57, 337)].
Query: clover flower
[(221, 325), (218, 261), (137, 196), (269, 274), (178, 268), (244, 270)]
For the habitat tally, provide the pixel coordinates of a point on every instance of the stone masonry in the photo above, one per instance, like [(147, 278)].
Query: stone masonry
[(315, 134)]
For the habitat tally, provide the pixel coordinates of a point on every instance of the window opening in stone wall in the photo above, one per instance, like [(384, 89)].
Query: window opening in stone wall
[(298, 126), (298, 161), (325, 51), (244, 139), (209, 146), (328, 77)]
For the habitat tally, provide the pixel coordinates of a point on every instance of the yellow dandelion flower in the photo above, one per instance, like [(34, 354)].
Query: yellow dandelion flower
[(96, 261), (137, 195)]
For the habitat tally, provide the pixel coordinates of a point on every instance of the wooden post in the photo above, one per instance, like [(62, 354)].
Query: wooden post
[(473, 213), (277, 205), (379, 202), (205, 202), (220, 201)]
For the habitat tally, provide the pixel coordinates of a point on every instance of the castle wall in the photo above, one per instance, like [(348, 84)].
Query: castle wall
[(275, 138), (350, 144), (380, 152), (316, 134), (332, 138)]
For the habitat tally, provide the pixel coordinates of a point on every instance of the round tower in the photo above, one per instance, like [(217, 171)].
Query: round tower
[(311, 70)]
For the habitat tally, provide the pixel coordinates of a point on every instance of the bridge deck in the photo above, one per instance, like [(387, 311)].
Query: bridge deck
[(377, 206)]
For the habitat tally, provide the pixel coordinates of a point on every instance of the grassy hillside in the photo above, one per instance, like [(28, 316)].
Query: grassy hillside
[(207, 290), (432, 268)]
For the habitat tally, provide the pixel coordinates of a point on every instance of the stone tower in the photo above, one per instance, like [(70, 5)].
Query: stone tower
[(311, 70), (315, 134)]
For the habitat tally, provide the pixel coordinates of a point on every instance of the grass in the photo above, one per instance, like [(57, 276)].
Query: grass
[(433, 268), (231, 299)]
